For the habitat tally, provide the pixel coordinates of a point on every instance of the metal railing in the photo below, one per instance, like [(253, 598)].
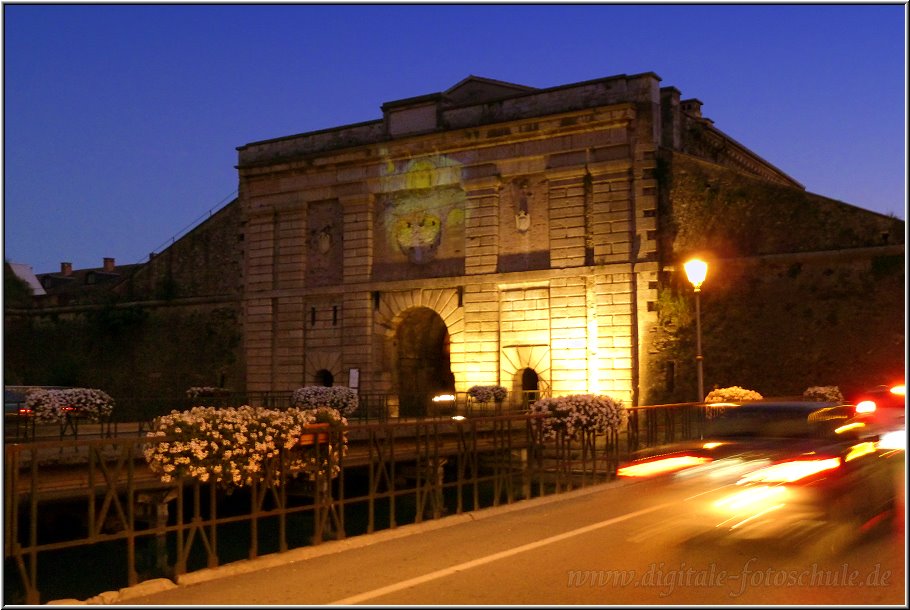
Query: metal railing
[(393, 473), (137, 414)]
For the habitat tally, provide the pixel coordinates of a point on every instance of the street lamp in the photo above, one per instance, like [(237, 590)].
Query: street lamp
[(696, 270)]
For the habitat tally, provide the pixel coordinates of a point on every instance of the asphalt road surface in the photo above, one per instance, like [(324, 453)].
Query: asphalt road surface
[(620, 543)]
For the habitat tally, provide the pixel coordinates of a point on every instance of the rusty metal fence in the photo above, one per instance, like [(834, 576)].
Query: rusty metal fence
[(392, 473)]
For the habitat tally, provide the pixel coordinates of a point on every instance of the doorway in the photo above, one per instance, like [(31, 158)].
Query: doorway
[(527, 382), (424, 361)]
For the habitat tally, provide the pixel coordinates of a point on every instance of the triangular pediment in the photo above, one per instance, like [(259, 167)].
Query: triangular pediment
[(479, 90)]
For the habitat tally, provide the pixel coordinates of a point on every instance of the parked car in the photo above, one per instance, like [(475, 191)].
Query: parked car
[(795, 472)]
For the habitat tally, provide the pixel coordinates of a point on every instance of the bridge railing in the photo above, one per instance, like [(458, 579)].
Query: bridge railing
[(393, 473)]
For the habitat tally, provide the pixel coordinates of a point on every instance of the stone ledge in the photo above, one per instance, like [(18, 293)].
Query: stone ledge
[(147, 587)]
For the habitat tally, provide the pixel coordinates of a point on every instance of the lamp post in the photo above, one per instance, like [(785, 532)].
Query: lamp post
[(696, 270)]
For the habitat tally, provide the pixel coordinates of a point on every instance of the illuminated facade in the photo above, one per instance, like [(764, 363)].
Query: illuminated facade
[(489, 234)]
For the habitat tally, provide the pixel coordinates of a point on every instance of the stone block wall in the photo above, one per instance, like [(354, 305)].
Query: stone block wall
[(550, 209), (801, 290)]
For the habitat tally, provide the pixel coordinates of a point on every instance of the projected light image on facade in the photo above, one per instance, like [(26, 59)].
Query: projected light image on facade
[(420, 218)]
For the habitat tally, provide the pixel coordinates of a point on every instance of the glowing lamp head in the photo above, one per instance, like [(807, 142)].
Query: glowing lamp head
[(696, 271)]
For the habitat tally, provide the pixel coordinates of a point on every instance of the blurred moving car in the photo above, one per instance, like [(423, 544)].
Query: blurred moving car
[(797, 472), (14, 402), (882, 409)]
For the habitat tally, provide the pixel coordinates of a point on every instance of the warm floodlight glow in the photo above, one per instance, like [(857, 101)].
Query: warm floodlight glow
[(458, 417), (788, 472), (669, 464), (712, 445), (696, 271), (444, 398), (900, 390)]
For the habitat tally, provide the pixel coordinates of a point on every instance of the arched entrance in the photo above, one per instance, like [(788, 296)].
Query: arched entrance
[(325, 378), (528, 384), (424, 363), (528, 366)]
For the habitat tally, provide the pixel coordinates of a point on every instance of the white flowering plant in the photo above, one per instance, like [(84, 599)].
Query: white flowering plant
[(206, 391), (486, 393), (732, 394), (341, 398), (580, 413), (57, 404), (234, 446), (823, 393)]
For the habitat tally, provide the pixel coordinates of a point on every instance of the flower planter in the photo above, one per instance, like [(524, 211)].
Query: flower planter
[(315, 434)]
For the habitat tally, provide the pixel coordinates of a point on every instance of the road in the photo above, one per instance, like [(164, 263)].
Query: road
[(619, 543)]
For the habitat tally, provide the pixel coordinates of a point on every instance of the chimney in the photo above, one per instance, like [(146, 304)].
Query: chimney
[(108, 265), (692, 107), (66, 269)]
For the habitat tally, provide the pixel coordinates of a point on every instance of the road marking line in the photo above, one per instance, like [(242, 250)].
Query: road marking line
[(417, 580)]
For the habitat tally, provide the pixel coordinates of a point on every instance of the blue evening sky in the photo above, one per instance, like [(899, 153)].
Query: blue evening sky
[(121, 122)]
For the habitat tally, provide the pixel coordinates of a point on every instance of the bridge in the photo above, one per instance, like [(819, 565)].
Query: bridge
[(393, 474)]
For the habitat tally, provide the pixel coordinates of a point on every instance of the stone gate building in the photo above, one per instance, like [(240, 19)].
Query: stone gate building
[(489, 234)]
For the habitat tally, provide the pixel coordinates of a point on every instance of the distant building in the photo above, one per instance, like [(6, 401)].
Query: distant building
[(494, 233), (74, 286), (25, 273)]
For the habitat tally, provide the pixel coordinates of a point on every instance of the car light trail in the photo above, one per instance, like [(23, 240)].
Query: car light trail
[(896, 439), (788, 472), (860, 450), (848, 427), (751, 497), (866, 406), (669, 464)]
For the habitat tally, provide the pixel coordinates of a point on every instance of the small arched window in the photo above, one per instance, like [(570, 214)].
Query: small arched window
[(529, 387), (324, 378)]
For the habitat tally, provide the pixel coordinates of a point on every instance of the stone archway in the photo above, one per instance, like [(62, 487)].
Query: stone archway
[(527, 384), (391, 309), (528, 366), (424, 366), (321, 367)]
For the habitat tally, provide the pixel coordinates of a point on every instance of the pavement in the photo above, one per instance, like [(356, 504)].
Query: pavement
[(196, 587)]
